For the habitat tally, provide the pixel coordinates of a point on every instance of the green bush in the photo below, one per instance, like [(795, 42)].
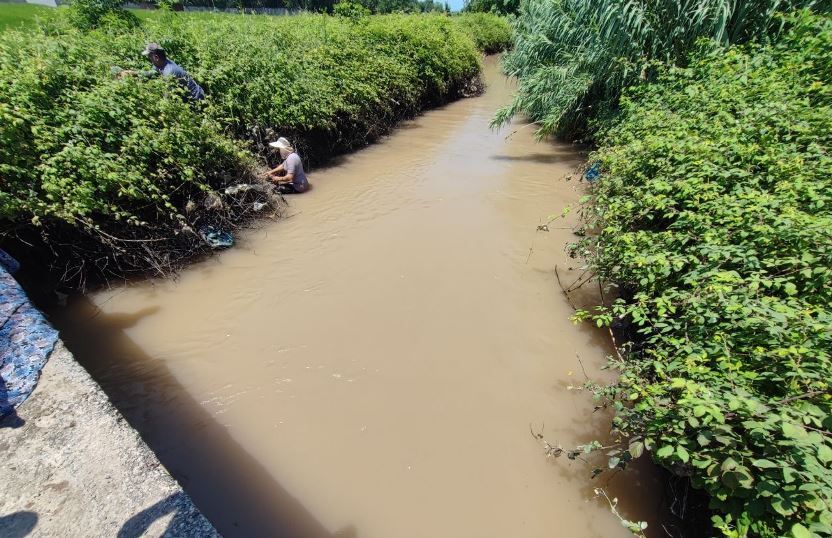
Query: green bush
[(574, 57), (106, 171), (401, 6), (88, 14), (498, 7), (323, 80), (491, 33), (350, 10), (714, 212)]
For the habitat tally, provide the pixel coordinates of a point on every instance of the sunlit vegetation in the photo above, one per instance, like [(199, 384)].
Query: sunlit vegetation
[(574, 57), (114, 174), (714, 218)]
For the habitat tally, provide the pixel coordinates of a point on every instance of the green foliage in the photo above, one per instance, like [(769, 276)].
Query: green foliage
[(574, 57), (350, 10), (328, 80), (402, 6), (89, 14), (490, 32), (497, 7), (83, 151), (714, 213)]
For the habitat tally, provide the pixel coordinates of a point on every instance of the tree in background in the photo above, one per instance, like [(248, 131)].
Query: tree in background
[(327, 6), (351, 10), (403, 6), (499, 7)]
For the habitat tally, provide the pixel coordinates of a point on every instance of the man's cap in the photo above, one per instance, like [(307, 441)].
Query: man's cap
[(282, 143), (153, 48)]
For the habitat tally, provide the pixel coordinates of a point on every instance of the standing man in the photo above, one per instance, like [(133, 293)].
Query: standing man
[(159, 58)]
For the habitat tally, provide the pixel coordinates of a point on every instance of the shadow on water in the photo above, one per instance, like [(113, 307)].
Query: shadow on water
[(226, 483), (18, 524), (550, 157), (643, 491), (638, 489)]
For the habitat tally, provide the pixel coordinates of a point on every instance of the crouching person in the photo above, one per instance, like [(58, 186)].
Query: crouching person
[(289, 175), (164, 67)]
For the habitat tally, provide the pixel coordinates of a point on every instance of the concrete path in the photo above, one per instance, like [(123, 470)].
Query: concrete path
[(70, 465)]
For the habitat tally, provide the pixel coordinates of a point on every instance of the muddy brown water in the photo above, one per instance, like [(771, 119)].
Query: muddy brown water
[(371, 366)]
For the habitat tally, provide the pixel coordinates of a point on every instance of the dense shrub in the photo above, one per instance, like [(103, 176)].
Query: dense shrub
[(498, 7), (491, 33), (573, 57), (404, 6), (327, 81), (87, 14), (714, 212), (117, 173), (352, 10)]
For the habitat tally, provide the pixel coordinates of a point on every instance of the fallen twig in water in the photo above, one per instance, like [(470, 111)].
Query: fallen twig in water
[(609, 328), (565, 293), (549, 449), (572, 287), (582, 366), (514, 132)]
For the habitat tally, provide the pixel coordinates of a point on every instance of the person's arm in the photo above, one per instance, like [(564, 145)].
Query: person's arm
[(274, 176), (276, 171), (288, 178), (124, 73), (281, 179)]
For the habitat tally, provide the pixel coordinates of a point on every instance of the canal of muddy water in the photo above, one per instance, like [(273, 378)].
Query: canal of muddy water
[(371, 365)]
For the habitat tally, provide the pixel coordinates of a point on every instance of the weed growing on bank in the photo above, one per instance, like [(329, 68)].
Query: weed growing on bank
[(111, 175), (714, 213)]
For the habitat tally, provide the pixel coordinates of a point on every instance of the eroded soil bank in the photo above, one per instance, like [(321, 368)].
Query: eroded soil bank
[(371, 365)]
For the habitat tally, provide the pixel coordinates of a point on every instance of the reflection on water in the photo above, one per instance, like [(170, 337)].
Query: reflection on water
[(371, 366)]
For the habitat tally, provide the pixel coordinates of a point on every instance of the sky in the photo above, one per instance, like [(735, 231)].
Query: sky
[(456, 5)]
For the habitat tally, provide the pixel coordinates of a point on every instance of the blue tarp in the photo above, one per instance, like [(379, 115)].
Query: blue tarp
[(26, 340)]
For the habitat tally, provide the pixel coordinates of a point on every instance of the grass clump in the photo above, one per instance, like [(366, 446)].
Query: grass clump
[(714, 212)]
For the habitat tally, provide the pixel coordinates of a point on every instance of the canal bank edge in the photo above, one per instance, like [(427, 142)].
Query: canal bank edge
[(73, 466)]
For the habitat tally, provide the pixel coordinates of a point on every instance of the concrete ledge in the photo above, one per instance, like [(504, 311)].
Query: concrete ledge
[(72, 466)]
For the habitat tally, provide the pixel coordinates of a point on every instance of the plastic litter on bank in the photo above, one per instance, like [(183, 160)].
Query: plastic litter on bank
[(593, 173), (216, 238)]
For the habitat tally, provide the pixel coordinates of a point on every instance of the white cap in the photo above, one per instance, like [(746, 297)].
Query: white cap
[(282, 143)]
